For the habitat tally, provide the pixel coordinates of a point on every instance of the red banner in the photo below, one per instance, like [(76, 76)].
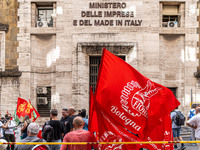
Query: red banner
[(132, 103), (23, 108), (92, 125), (161, 132), (34, 113)]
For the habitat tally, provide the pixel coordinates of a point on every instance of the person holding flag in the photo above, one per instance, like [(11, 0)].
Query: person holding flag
[(27, 121)]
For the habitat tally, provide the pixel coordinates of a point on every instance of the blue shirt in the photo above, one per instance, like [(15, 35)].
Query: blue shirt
[(86, 124)]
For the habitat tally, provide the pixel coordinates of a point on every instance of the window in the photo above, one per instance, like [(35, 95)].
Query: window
[(173, 89), (2, 50), (44, 101), (94, 67), (172, 14), (45, 17), (171, 17), (43, 14)]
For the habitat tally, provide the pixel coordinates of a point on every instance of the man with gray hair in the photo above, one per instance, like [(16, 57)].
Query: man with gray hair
[(33, 130), (194, 122), (72, 114)]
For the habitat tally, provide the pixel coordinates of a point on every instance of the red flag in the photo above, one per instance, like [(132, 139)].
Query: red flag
[(110, 131), (168, 134), (34, 113), (23, 108), (40, 134), (160, 132), (92, 125), (131, 99)]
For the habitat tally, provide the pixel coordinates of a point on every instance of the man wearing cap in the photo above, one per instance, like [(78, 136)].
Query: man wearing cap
[(33, 130)]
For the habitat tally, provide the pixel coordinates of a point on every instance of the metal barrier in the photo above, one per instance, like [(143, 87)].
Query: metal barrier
[(102, 143)]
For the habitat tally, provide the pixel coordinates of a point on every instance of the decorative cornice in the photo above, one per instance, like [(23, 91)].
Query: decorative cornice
[(10, 73)]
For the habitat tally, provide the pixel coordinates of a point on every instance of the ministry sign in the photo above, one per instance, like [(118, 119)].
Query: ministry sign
[(108, 14)]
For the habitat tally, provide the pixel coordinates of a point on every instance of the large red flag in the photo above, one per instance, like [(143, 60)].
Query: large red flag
[(23, 108), (131, 99)]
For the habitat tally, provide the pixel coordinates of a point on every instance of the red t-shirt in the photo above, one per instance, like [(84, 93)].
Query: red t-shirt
[(79, 136)]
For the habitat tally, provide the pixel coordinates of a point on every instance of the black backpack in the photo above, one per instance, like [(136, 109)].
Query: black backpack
[(179, 119), (48, 132)]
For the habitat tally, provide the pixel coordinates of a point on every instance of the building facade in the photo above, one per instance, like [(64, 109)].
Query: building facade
[(9, 71), (60, 44)]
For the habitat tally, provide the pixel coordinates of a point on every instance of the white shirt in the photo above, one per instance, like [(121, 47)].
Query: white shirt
[(1, 129), (10, 125), (196, 121)]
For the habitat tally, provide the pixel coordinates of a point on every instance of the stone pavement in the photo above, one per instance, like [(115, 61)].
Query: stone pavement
[(185, 134), (188, 147)]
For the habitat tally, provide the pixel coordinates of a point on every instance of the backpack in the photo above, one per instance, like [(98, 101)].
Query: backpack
[(48, 132), (180, 118), (192, 113)]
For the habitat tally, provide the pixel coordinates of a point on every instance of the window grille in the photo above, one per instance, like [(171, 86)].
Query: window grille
[(173, 89), (94, 68), (44, 109)]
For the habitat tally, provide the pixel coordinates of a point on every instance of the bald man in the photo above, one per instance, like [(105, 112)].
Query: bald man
[(194, 122), (79, 135)]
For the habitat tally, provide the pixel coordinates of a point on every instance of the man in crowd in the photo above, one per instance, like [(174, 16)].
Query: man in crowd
[(194, 122), (65, 119), (79, 135), (57, 128), (3, 126), (190, 115), (9, 133), (176, 129), (83, 115), (33, 130), (72, 114)]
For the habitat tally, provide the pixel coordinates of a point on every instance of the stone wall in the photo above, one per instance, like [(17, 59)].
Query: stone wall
[(9, 74), (8, 16), (165, 55)]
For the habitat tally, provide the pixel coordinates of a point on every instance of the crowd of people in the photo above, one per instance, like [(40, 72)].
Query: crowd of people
[(72, 127), (193, 121)]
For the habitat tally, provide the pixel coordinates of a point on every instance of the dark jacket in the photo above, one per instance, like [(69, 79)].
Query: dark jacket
[(29, 139)]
